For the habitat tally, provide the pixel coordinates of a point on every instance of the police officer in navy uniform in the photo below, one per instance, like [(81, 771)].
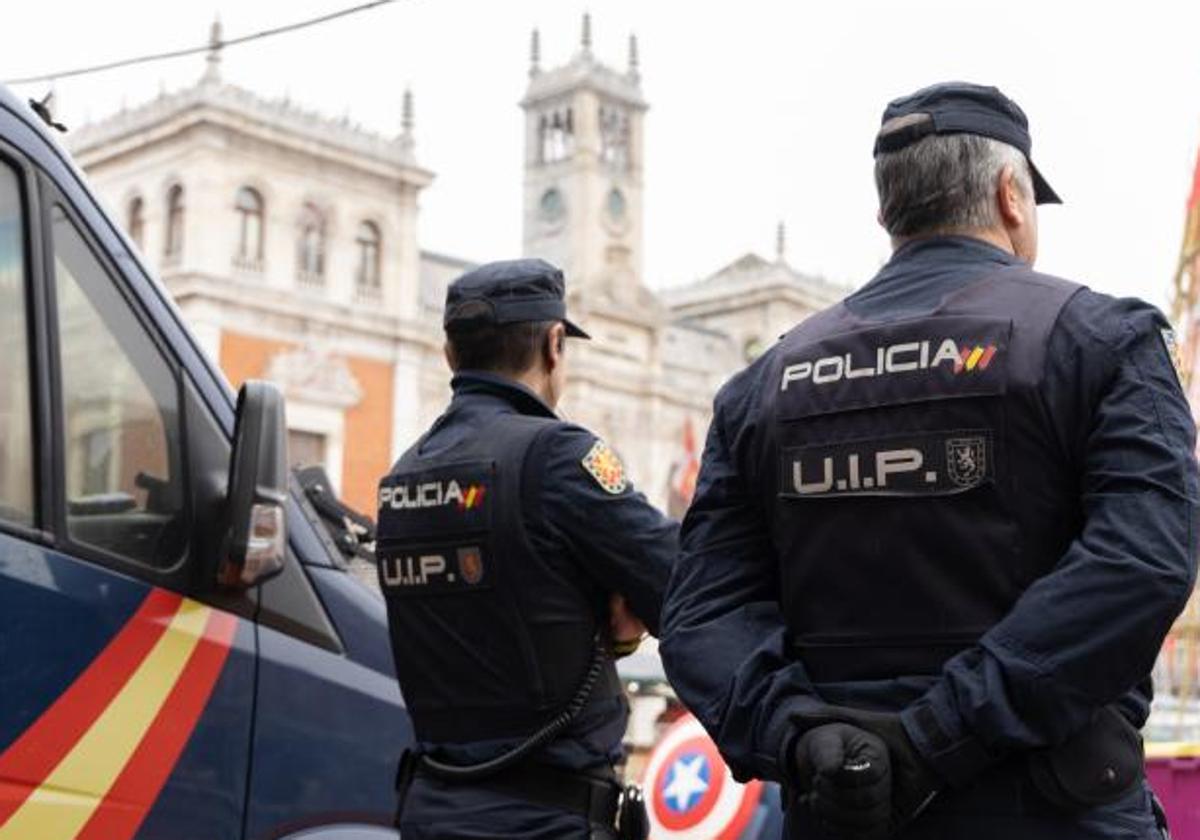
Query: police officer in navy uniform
[(941, 528), (515, 558)]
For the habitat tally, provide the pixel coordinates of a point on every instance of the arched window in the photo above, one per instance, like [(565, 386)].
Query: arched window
[(557, 135), (367, 275), (249, 208), (173, 244), (135, 220), (614, 137), (310, 261)]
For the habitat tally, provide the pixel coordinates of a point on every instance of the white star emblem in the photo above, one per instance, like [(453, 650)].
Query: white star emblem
[(686, 785)]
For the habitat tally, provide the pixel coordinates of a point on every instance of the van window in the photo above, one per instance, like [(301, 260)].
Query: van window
[(121, 435), (16, 434)]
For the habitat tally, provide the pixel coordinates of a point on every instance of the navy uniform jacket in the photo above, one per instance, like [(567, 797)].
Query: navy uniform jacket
[(1083, 635), (611, 543)]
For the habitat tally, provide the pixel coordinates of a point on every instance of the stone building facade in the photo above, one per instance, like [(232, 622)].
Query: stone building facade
[(290, 242)]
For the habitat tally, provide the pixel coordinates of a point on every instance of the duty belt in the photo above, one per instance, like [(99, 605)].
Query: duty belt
[(594, 795)]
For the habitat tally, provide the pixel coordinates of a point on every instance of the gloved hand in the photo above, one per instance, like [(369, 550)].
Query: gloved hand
[(914, 784), (844, 777)]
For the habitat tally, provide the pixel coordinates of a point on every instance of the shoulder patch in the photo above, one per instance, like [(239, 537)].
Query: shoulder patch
[(1171, 343), (603, 465)]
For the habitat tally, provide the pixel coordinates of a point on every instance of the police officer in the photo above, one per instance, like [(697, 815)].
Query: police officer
[(514, 555), (942, 527)]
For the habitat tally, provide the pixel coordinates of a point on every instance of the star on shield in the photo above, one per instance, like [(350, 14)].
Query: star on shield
[(686, 782)]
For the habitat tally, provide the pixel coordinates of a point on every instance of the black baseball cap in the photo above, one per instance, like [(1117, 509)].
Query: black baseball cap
[(963, 108), (514, 291)]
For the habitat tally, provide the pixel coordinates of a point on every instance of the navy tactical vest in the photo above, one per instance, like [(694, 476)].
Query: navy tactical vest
[(490, 640), (920, 489)]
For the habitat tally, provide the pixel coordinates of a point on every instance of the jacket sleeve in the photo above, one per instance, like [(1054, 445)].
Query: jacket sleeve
[(1085, 634), (723, 645), (623, 543)]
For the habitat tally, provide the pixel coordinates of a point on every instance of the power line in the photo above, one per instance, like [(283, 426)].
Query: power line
[(219, 44)]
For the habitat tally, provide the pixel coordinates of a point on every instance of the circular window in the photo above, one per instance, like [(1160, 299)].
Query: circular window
[(551, 207), (616, 204)]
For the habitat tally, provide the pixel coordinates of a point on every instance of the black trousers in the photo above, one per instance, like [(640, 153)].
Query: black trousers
[(434, 810)]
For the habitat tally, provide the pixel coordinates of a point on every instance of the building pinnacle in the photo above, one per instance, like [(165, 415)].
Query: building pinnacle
[(535, 53), (634, 71), (780, 243), (406, 113), (586, 39), (212, 73)]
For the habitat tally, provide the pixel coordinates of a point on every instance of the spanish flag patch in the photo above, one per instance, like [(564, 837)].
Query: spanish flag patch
[(603, 465)]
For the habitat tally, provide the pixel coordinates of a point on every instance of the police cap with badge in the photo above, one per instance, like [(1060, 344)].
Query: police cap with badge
[(962, 108), (508, 292)]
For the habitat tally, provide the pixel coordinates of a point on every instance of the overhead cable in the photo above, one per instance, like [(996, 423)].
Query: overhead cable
[(212, 45)]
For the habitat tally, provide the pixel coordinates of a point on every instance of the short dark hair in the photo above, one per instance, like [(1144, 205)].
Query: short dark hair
[(478, 344)]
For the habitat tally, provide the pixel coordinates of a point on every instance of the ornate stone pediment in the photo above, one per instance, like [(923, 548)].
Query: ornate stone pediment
[(314, 376)]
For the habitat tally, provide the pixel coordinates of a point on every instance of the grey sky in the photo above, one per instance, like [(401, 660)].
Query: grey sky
[(759, 110)]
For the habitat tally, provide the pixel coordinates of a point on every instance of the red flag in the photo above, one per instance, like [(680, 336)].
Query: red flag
[(684, 473)]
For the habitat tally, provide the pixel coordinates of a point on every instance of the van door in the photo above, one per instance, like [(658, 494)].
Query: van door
[(126, 688)]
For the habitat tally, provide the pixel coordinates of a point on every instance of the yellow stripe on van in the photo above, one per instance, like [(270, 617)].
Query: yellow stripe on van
[(66, 799)]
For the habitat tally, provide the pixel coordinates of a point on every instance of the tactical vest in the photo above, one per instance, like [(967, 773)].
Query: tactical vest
[(920, 489), (490, 640)]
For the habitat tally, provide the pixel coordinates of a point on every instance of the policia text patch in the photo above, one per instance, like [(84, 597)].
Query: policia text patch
[(917, 464), (925, 359)]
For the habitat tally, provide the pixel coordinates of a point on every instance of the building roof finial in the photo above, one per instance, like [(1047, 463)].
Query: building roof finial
[(634, 71), (780, 242), (406, 113), (212, 73), (586, 39), (535, 53)]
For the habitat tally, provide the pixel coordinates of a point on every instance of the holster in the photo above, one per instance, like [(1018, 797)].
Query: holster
[(1098, 765)]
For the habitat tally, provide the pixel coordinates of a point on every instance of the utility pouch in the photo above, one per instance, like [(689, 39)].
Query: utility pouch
[(632, 821), (1096, 766)]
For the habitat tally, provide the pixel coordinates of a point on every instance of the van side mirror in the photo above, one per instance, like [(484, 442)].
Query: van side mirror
[(255, 542)]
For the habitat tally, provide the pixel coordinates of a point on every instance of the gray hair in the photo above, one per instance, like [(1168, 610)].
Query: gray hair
[(944, 182)]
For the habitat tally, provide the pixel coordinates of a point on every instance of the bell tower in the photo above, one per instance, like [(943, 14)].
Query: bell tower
[(583, 170)]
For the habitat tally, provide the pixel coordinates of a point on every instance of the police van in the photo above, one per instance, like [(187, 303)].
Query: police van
[(182, 652)]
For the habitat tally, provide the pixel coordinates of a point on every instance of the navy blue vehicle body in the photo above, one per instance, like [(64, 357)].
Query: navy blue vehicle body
[(171, 708)]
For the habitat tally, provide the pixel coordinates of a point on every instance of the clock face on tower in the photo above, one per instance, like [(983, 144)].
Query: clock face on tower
[(552, 209), (616, 216), (616, 205)]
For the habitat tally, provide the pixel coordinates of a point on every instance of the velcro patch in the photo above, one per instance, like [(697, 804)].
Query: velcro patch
[(918, 464), (448, 499), (436, 569), (603, 465), (920, 360)]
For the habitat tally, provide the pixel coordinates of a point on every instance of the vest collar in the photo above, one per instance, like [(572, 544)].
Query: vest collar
[(957, 247), (484, 383)]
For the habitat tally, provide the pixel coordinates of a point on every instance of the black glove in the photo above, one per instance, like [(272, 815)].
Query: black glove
[(844, 777), (914, 784)]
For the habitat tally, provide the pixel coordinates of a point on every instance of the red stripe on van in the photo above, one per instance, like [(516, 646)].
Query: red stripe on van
[(39, 749), (142, 778)]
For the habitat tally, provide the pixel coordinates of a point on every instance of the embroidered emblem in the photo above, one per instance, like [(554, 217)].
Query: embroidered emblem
[(966, 460), (603, 465), (470, 564)]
